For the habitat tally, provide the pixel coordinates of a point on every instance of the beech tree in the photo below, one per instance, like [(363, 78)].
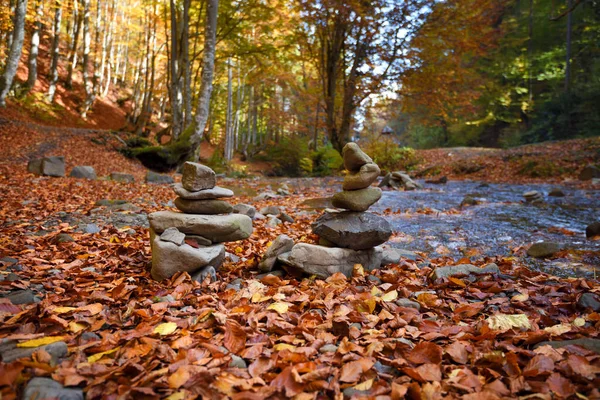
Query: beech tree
[(14, 55)]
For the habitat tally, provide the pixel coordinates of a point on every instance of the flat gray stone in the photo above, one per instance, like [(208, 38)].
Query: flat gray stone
[(367, 174), (92, 228), (356, 200), (210, 207), (122, 177), (205, 194), (408, 304), (197, 177), (326, 261), (589, 300), (174, 236), (464, 269), (83, 172), (405, 180), (56, 350), (168, 258), (353, 230), (159, 179), (273, 221), (543, 249), (216, 228), (270, 210), (199, 240), (53, 166), (19, 297), (354, 157), (201, 275), (286, 218), (390, 256), (48, 389), (245, 209), (282, 244)]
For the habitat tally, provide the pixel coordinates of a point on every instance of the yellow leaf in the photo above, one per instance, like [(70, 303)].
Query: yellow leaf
[(558, 329), (177, 396), (579, 322), (520, 297), (95, 357), (62, 310), (41, 341), (358, 270), (376, 292), (505, 321), (366, 385), (179, 378), (166, 329), (284, 346), (93, 309), (390, 296), (457, 281), (259, 298), (280, 307), (76, 326), (238, 250)]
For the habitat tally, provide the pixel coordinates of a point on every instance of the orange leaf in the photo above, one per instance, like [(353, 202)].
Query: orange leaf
[(235, 336)]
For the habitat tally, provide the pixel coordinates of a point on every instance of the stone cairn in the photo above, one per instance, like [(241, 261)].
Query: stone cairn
[(191, 240), (347, 237)]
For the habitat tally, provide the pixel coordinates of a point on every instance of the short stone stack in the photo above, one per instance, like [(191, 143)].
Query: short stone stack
[(191, 240), (347, 237)]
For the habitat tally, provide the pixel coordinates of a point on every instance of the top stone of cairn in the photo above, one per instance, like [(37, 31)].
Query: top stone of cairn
[(354, 157), (197, 177)]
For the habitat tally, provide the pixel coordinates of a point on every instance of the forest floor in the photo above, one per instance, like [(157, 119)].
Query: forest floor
[(393, 333)]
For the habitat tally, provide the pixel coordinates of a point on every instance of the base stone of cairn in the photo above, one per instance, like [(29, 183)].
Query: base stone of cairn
[(347, 237), (191, 240)]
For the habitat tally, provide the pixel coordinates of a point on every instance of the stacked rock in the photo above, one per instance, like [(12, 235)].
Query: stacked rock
[(191, 240), (347, 237)]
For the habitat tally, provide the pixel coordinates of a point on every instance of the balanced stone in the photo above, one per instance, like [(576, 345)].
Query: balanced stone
[(53, 166), (206, 194), (356, 200), (197, 177), (326, 261), (203, 206), (83, 171), (199, 240), (216, 228), (169, 258), (367, 174), (281, 245), (354, 157), (353, 230), (174, 236)]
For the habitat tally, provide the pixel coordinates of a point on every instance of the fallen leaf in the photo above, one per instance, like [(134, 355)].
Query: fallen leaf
[(390, 296), (235, 336), (95, 357), (353, 370), (503, 322), (280, 307), (41, 341), (165, 328)]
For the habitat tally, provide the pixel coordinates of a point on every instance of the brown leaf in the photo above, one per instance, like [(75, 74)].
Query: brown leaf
[(352, 371), (425, 353), (235, 336), (538, 365), (9, 373), (458, 352), (560, 385), (288, 382)]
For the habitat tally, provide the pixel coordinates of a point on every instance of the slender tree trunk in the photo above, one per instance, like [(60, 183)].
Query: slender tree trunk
[(208, 67), (568, 46), (228, 127), (185, 64), (14, 54), (35, 46), (87, 80), (97, 49), (75, 44), (175, 74), (55, 51)]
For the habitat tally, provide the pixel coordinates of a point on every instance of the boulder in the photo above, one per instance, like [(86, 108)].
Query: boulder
[(270, 210), (216, 228), (203, 206), (46, 389), (197, 177), (245, 209), (464, 269), (286, 218), (589, 300), (357, 200), (353, 230), (53, 166), (273, 221), (35, 166), (556, 192), (326, 261), (201, 275), (153, 177), (390, 256), (169, 258), (282, 244), (83, 172), (122, 177), (405, 180), (367, 174), (354, 157), (385, 181), (206, 194), (592, 230), (174, 236), (543, 249), (589, 172)]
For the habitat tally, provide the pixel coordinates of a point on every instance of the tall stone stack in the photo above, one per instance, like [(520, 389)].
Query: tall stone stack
[(192, 240), (349, 236)]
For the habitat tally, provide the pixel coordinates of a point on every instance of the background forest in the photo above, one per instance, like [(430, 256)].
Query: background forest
[(294, 80)]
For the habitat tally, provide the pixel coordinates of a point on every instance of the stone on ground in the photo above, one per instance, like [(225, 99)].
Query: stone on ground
[(57, 350), (35, 166), (356, 200), (203, 206), (556, 192), (122, 177), (201, 275), (83, 172), (282, 244), (153, 177), (353, 230), (216, 228), (205, 194), (53, 166), (543, 249), (47, 389), (589, 300), (245, 209), (590, 344), (589, 172), (354, 157), (174, 236), (326, 261), (533, 196), (592, 230), (197, 177), (464, 269), (405, 180), (367, 174), (169, 258), (270, 210)]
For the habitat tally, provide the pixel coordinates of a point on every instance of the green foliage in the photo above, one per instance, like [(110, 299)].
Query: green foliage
[(540, 169), (325, 161), (287, 156), (390, 156), (36, 104), (306, 165), (217, 161)]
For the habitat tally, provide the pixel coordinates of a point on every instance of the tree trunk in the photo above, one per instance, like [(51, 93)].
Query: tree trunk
[(53, 75), (568, 46), (75, 43), (87, 80), (175, 89), (35, 46), (15, 51), (208, 67), (228, 127)]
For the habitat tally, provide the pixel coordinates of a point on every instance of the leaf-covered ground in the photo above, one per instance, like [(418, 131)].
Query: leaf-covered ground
[(388, 334)]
